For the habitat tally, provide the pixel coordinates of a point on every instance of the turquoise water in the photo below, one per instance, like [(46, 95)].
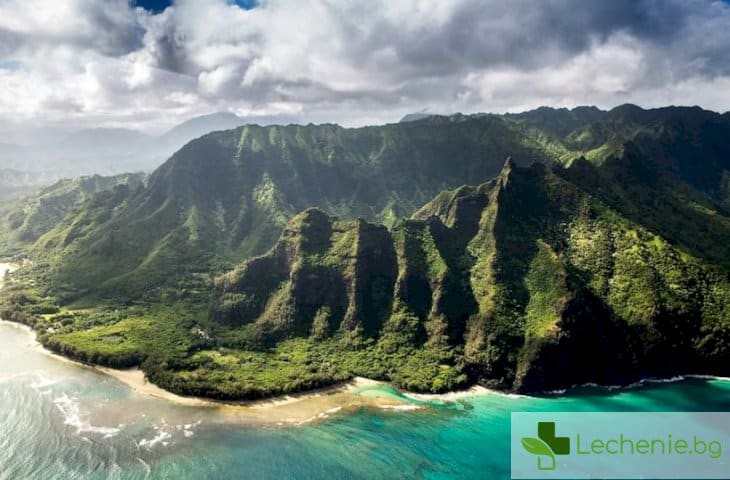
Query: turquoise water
[(59, 421)]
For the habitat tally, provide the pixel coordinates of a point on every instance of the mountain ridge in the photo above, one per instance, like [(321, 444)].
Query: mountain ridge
[(515, 267), (381, 174), (605, 245)]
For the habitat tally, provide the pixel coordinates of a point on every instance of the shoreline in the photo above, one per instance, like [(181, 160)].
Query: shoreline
[(295, 408), (637, 384), (135, 379), (354, 393), (307, 406)]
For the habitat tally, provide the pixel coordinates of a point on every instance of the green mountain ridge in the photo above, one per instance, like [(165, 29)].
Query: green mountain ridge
[(517, 278), (228, 195), (602, 255), (24, 221)]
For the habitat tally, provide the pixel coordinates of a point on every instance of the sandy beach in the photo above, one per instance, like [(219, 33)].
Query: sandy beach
[(287, 409), (296, 408)]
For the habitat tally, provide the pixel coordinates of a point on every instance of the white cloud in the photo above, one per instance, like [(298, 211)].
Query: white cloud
[(604, 73), (105, 62)]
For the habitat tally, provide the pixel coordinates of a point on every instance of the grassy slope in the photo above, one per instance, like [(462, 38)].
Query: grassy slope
[(24, 221), (470, 300), (500, 284)]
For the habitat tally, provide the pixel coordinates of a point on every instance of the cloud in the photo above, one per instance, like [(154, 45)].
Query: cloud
[(109, 27), (114, 62)]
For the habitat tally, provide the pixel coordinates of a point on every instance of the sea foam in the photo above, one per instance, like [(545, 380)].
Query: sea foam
[(71, 411)]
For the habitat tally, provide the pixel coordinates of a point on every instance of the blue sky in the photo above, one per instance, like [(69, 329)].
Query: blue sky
[(157, 6), (10, 64)]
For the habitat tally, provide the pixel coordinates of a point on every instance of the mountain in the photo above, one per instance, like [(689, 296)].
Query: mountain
[(228, 195), (84, 152), (24, 221), (414, 117), (517, 278), (105, 151), (105, 141), (15, 183), (196, 127), (605, 247)]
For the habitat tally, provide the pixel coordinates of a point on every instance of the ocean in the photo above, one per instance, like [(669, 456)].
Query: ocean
[(59, 420)]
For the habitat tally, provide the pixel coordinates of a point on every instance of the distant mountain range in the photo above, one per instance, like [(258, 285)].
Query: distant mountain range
[(603, 245), (98, 151), (16, 183)]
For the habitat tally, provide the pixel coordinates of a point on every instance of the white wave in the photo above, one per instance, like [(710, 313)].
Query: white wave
[(38, 380), (187, 429), (42, 382), (710, 377), (71, 411), (508, 394), (639, 383), (326, 413), (636, 384), (644, 381), (404, 408), (162, 437)]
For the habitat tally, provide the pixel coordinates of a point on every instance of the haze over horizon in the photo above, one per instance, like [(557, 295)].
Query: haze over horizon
[(151, 64)]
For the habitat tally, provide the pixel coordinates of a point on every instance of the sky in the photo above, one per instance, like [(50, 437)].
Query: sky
[(148, 64)]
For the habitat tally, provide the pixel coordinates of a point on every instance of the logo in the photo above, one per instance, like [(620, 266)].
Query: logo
[(620, 445), (546, 445)]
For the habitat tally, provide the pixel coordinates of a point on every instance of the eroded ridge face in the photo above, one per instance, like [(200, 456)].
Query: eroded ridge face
[(517, 278)]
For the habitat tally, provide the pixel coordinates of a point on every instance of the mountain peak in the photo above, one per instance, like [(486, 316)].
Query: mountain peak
[(507, 168), (414, 117), (499, 284)]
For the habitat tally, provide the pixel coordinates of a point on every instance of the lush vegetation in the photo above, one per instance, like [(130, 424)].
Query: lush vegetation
[(487, 284), (227, 196), (24, 221), (606, 261)]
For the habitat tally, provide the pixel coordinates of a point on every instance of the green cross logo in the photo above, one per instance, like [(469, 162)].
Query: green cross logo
[(546, 445)]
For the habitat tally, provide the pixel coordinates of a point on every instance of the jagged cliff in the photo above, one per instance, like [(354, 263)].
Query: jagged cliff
[(323, 275), (528, 282), (227, 196), (606, 262)]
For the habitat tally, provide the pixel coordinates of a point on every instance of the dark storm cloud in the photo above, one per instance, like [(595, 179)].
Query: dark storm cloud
[(167, 46), (520, 33)]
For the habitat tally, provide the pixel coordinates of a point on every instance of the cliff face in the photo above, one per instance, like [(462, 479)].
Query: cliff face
[(607, 264), (323, 276), (527, 282), (227, 196)]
